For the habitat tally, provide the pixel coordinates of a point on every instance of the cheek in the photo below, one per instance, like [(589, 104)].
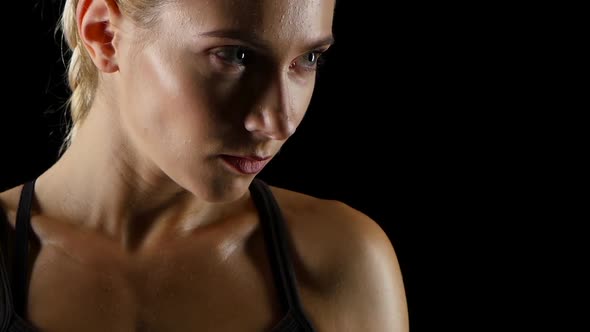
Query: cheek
[(300, 100), (168, 110)]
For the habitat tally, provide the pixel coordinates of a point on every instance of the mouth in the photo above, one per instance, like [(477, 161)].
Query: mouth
[(245, 165)]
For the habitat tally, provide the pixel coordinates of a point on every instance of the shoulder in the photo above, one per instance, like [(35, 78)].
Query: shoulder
[(327, 224), (348, 260)]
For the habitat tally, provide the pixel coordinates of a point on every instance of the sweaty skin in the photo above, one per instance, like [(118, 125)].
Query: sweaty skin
[(142, 226)]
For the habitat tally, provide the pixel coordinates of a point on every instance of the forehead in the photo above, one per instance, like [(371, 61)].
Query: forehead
[(272, 20)]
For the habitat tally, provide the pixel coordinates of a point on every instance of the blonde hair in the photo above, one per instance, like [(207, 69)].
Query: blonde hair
[(82, 74)]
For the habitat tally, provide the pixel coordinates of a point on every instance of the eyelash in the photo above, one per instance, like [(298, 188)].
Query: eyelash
[(223, 53)]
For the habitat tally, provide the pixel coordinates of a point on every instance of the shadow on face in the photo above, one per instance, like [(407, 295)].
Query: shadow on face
[(223, 77)]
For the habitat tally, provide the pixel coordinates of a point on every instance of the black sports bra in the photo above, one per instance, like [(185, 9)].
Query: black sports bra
[(13, 299)]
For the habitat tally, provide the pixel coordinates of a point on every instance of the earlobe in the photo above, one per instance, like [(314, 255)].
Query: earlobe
[(95, 24)]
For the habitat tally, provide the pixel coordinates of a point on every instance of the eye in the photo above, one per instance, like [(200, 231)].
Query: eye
[(233, 55), (309, 61), (312, 57)]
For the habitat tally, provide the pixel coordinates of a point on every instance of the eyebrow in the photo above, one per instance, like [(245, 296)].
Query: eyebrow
[(257, 42)]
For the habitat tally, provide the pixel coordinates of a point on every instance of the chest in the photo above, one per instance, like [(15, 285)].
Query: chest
[(213, 290)]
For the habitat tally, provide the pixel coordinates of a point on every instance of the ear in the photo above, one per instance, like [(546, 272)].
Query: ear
[(96, 21)]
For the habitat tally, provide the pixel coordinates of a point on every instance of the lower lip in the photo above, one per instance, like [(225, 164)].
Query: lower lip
[(243, 165)]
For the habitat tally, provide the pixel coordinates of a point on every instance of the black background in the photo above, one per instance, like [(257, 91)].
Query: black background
[(408, 124)]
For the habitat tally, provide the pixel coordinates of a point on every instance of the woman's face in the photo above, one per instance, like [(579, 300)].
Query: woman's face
[(220, 84)]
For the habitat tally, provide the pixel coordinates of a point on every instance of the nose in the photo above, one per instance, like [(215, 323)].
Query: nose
[(272, 117)]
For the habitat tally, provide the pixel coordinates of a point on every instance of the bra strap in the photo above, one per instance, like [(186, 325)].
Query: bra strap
[(23, 226)]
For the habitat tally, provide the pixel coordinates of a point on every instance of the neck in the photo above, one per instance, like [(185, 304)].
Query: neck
[(103, 184)]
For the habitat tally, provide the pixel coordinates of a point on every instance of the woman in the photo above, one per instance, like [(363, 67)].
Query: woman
[(153, 219)]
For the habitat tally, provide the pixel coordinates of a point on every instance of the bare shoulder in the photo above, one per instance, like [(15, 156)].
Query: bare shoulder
[(348, 261)]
